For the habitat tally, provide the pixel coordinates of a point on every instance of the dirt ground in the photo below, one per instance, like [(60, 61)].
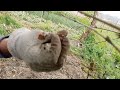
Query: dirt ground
[(17, 69)]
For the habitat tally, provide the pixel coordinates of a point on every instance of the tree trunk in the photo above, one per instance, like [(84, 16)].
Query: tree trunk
[(93, 24)]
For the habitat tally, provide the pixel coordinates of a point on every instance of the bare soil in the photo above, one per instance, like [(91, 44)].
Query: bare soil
[(17, 69)]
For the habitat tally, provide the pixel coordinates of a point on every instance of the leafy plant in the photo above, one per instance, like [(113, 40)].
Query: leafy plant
[(107, 63)]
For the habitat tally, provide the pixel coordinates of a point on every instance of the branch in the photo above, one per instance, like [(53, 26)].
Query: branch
[(106, 29), (106, 38), (110, 24)]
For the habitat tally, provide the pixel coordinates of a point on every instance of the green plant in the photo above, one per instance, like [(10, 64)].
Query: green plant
[(3, 31), (7, 20), (107, 62)]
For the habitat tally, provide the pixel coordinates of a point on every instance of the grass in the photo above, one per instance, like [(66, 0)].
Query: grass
[(52, 23), (9, 21), (2, 31), (84, 20), (75, 50), (103, 54), (55, 18)]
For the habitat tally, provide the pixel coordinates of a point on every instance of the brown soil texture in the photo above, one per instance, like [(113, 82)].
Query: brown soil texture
[(17, 69)]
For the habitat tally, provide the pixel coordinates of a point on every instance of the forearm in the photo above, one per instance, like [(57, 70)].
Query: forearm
[(4, 53)]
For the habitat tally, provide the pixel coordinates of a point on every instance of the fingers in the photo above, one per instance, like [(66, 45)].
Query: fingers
[(62, 34), (63, 55)]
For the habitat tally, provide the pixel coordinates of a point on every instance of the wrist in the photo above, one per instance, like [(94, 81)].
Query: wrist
[(3, 48)]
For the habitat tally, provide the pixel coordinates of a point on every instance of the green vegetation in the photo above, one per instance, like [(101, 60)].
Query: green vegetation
[(7, 20), (84, 20), (106, 58), (56, 18), (2, 31)]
